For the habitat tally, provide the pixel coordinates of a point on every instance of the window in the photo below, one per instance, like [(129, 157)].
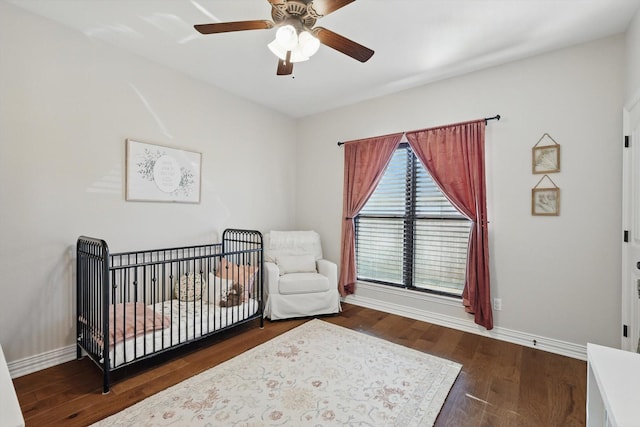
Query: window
[(408, 234)]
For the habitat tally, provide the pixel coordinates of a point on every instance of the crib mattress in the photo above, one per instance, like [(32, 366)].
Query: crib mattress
[(188, 322)]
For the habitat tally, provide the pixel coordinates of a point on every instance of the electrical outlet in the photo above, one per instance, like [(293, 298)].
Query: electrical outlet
[(497, 304)]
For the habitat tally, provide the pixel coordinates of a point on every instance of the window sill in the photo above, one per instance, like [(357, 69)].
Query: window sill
[(417, 295)]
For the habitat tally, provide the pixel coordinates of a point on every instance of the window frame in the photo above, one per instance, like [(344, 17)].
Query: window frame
[(409, 220)]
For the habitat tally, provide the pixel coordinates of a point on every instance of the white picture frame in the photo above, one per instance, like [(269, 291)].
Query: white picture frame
[(156, 173)]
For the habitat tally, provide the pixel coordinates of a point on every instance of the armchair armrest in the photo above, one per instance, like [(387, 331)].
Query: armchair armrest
[(329, 269), (271, 278)]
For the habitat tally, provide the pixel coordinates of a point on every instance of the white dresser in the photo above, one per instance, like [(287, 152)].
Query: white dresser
[(10, 413), (613, 387)]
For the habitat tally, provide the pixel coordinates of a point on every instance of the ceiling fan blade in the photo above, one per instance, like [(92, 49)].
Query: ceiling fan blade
[(325, 7), (343, 44), (225, 27), (285, 66)]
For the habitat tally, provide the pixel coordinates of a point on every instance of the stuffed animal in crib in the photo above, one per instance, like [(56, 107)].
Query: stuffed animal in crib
[(233, 297)]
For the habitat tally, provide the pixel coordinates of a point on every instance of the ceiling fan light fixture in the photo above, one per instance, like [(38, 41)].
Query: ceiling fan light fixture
[(287, 37), (297, 55), (308, 44), (277, 49)]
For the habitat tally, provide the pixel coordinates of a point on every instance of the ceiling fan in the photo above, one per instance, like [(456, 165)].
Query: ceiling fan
[(297, 38)]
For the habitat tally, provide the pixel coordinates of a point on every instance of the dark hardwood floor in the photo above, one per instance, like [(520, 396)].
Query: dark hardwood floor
[(501, 384)]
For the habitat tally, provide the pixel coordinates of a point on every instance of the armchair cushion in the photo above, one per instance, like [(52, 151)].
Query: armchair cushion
[(278, 243), (302, 283), (296, 264)]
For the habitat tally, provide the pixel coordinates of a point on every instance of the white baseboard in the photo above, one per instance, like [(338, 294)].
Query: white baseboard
[(41, 361), (551, 345)]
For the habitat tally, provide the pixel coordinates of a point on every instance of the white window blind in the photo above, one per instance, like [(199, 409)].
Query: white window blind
[(408, 234)]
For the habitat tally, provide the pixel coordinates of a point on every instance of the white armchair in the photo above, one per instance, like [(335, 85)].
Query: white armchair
[(298, 282)]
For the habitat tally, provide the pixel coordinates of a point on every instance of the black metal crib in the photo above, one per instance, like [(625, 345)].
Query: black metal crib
[(135, 305)]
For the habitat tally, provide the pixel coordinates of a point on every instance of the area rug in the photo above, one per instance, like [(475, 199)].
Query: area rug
[(317, 374)]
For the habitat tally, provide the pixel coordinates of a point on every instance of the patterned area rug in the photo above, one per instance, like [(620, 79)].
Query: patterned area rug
[(317, 374)]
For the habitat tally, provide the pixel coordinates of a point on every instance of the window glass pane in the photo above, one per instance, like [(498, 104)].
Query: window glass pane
[(440, 254), (389, 197), (379, 251)]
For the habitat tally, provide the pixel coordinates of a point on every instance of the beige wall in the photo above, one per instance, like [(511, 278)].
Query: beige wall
[(558, 277), (67, 104)]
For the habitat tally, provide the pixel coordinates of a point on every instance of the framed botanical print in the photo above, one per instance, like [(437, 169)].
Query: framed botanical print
[(546, 158), (545, 201), (157, 173)]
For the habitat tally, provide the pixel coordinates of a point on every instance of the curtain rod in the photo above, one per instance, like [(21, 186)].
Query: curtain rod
[(486, 120)]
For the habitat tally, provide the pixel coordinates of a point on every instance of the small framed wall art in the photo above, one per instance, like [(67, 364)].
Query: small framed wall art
[(546, 158), (155, 173), (545, 201)]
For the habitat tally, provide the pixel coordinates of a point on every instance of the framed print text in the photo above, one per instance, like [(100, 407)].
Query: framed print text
[(155, 173)]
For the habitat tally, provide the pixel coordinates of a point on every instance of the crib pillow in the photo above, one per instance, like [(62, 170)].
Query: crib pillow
[(190, 287), (244, 275)]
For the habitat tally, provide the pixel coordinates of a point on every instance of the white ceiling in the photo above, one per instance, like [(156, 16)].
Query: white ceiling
[(415, 41)]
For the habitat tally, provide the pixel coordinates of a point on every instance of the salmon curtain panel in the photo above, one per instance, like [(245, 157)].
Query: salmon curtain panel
[(454, 156), (365, 161)]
